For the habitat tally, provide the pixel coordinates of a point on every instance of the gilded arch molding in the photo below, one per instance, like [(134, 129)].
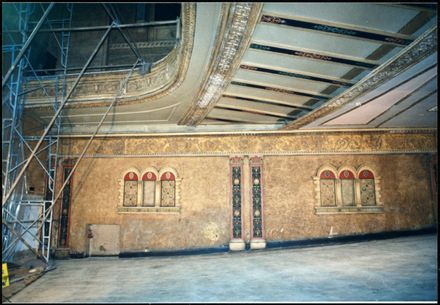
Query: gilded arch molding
[(232, 40), (99, 89)]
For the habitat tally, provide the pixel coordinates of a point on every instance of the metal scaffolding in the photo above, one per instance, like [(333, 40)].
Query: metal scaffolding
[(26, 219), (18, 208)]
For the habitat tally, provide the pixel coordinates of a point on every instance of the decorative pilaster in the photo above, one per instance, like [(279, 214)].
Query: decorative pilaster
[(257, 219), (246, 204), (236, 182)]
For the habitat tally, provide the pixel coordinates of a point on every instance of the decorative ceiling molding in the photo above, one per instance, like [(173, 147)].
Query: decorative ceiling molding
[(422, 47), (99, 89), (233, 38), (275, 133)]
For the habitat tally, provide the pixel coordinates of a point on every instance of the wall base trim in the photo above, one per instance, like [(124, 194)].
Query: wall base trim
[(316, 242), (304, 243), (192, 251)]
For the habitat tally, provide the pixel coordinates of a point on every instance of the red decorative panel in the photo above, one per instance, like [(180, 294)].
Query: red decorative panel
[(130, 177), (149, 176), (346, 175), (327, 174), (366, 174), (168, 193), (168, 176)]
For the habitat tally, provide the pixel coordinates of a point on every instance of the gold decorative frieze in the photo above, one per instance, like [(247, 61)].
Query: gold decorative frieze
[(238, 22), (422, 47), (99, 88), (272, 144)]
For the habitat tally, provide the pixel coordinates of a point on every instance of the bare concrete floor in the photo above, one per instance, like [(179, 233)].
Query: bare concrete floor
[(400, 269)]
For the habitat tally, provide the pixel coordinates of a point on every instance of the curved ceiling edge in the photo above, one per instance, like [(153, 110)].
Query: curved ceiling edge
[(232, 40), (98, 90)]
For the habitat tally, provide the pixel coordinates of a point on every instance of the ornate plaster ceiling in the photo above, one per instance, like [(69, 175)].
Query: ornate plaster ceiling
[(287, 66)]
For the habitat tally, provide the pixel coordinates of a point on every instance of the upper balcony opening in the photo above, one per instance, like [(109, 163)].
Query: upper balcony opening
[(151, 28)]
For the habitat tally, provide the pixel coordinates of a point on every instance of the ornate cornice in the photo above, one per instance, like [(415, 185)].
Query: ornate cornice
[(259, 133), (422, 47), (99, 89), (238, 23)]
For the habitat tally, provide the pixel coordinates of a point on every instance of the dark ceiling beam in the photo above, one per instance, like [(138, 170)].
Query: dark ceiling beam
[(408, 29), (361, 63), (226, 120), (333, 81), (245, 116), (333, 29), (282, 90), (263, 108), (297, 107), (254, 111)]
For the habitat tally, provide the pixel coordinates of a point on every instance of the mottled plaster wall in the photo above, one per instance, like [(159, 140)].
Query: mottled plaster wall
[(290, 196), (289, 191), (202, 222)]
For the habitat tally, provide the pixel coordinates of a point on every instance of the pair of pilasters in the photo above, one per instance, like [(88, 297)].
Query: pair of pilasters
[(247, 216)]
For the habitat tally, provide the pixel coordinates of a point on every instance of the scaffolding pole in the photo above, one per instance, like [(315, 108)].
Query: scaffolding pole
[(102, 27), (14, 219), (12, 203), (49, 126), (122, 91), (115, 19), (26, 45), (11, 144)]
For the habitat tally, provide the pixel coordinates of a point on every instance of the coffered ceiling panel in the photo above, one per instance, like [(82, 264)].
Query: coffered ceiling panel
[(296, 64), (292, 83), (318, 41), (316, 52), (240, 116), (258, 107), (294, 100)]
